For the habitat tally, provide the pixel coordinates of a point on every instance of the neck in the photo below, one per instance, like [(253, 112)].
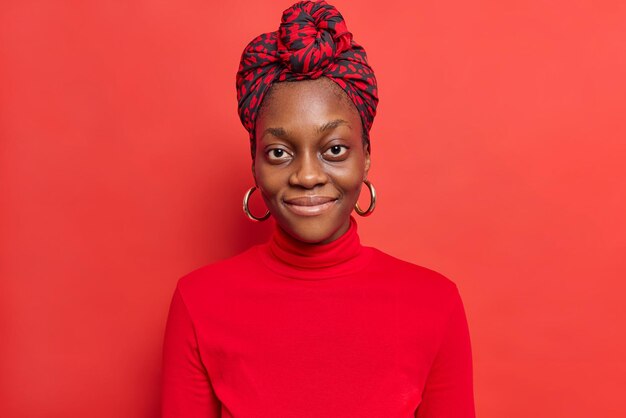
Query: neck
[(298, 259), (337, 234)]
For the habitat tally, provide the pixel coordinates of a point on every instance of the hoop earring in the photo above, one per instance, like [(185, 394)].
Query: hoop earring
[(246, 210), (372, 205)]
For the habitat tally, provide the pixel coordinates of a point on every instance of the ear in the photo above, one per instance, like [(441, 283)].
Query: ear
[(367, 162), (254, 174)]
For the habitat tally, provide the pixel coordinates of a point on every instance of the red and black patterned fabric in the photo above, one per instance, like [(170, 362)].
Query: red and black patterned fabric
[(312, 41)]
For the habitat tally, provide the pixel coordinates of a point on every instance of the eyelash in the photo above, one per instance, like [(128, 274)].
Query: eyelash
[(271, 156), (338, 146), (271, 151)]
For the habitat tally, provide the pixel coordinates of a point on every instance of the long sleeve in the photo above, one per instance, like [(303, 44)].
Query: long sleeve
[(292, 330), (448, 392), (186, 390)]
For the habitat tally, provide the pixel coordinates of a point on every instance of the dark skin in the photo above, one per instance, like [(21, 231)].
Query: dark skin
[(310, 159)]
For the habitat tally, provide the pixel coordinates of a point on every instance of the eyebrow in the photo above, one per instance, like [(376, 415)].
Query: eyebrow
[(277, 132), (332, 125), (281, 133)]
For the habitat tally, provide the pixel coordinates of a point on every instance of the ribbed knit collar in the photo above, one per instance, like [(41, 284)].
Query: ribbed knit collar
[(296, 259)]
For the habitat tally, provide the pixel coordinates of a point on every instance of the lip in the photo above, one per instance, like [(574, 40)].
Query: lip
[(310, 205)]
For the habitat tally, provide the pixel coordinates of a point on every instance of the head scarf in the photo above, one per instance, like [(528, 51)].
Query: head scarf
[(312, 41)]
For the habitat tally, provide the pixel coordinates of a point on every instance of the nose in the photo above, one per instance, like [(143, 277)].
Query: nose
[(308, 171)]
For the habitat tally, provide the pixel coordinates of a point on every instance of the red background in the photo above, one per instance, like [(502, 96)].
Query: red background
[(498, 156)]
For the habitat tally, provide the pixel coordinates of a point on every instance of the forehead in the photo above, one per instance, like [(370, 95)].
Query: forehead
[(306, 101)]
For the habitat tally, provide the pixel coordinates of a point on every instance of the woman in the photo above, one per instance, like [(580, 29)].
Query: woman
[(312, 323)]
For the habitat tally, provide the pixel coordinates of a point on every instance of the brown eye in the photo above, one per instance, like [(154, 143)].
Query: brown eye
[(277, 154), (336, 151)]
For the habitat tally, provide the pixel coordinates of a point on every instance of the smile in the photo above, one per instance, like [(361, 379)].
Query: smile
[(310, 206)]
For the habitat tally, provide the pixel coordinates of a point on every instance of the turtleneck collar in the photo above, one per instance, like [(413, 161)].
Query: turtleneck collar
[(299, 260)]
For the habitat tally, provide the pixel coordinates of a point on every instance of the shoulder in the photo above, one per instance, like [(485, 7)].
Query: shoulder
[(409, 275), (418, 290), (216, 276)]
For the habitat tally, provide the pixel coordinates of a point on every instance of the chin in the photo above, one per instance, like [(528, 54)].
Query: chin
[(313, 229)]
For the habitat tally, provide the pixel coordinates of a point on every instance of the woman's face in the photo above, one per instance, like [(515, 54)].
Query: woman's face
[(310, 160)]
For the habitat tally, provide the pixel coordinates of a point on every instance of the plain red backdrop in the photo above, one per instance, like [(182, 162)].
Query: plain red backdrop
[(498, 155)]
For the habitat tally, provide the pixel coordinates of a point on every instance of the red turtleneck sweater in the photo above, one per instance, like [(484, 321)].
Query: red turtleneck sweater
[(288, 329)]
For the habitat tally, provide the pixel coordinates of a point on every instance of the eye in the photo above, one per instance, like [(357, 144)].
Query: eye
[(336, 151), (277, 154)]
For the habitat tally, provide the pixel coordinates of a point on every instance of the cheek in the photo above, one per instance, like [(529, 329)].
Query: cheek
[(350, 180), (269, 181)]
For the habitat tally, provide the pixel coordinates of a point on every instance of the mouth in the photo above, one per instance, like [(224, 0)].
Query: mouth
[(310, 205)]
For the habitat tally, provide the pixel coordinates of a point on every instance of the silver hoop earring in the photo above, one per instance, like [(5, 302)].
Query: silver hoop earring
[(372, 205), (246, 210)]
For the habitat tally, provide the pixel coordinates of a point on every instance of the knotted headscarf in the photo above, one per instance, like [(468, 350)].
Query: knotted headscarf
[(312, 41)]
